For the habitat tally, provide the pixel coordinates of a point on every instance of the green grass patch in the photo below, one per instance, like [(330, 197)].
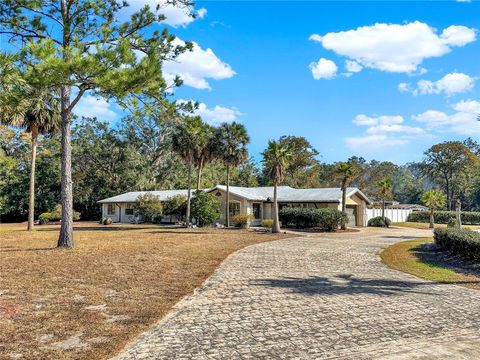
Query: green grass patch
[(420, 257), (416, 225)]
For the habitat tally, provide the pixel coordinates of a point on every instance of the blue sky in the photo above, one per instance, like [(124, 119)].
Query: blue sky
[(412, 79)]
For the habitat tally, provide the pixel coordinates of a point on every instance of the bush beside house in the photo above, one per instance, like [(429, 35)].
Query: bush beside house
[(150, 207), (378, 222), (242, 220), (465, 243), (443, 217), (325, 219), (205, 208)]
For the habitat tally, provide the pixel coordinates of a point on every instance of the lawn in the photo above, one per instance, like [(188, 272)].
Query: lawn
[(416, 225), (87, 303), (420, 257)]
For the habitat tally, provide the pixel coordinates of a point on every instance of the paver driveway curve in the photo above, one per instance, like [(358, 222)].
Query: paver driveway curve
[(322, 296)]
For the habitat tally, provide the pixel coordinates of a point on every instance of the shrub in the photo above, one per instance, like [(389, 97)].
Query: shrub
[(465, 243), (76, 216), (106, 221), (175, 206), (267, 223), (150, 207), (44, 218), (205, 208), (378, 221), (326, 219), (242, 220), (442, 217), (452, 223)]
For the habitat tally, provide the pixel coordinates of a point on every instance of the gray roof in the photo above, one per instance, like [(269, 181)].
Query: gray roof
[(133, 195), (264, 193), (289, 194)]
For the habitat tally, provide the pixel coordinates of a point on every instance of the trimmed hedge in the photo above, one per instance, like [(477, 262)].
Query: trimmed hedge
[(443, 217), (378, 221), (326, 219), (465, 243)]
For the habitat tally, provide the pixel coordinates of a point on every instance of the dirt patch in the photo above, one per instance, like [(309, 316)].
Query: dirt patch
[(87, 303)]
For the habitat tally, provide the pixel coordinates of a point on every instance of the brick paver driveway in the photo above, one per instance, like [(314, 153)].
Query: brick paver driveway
[(322, 296)]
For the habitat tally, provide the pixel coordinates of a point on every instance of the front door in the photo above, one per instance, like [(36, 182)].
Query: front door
[(257, 212)]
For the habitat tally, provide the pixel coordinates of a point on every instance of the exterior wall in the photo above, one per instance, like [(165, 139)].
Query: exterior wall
[(361, 207), (245, 205), (121, 216)]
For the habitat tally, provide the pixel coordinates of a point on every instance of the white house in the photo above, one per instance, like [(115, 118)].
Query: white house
[(256, 201)]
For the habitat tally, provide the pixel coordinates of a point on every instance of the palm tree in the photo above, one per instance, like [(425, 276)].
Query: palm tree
[(29, 107), (204, 150), (231, 150), (185, 138), (385, 186), (347, 171), (433, 199), (276, 159)]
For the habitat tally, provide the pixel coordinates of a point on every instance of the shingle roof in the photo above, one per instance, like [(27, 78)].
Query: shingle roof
[(133, 195)]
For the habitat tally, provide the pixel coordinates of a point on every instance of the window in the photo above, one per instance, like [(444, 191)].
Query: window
[(129, 209), (111, 209), (234, 208)]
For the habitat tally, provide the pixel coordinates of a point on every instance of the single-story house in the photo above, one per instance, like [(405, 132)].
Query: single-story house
[(256, 201)]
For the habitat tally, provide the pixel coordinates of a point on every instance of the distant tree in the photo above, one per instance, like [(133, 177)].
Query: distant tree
[(433, 199), (448, 165), (231, 150), (303, 161), (347, 171), (385, 187), (276, 159), (81, 45), (34, 109), (184, 142), (150, 207)]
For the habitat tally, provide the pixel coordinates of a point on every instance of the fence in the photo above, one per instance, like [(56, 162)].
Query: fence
[(396, 215)]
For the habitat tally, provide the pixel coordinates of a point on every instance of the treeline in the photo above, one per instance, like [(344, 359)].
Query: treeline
[(138, 155)]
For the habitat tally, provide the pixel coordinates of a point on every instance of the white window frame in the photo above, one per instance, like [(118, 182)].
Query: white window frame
[(129, 206), (239, 207)]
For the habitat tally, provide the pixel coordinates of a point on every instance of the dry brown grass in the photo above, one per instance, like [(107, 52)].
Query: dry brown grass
[(87, 303)]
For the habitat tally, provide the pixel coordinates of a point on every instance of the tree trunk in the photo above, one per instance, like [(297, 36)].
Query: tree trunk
[(276, 222), (227, 200), (66, 228), (383, 212), (199, 175), (344, 200), (189, 193), (31, 195), (432, 219), (458, 214)]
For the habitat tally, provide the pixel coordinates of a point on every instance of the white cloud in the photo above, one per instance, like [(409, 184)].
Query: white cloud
[(403, 87), (323, 69), (394, 47), (353, 66), (382, 131), (463, 121), (176, 16), (196, 66), (90, 106), (372, 142), (217, 114), (450, 84)]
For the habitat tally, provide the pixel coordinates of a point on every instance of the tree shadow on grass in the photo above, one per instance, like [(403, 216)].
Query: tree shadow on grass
[(432, 254), (346, 284)]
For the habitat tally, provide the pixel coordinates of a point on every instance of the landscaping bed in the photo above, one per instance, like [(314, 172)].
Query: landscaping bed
[(87, 303)]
